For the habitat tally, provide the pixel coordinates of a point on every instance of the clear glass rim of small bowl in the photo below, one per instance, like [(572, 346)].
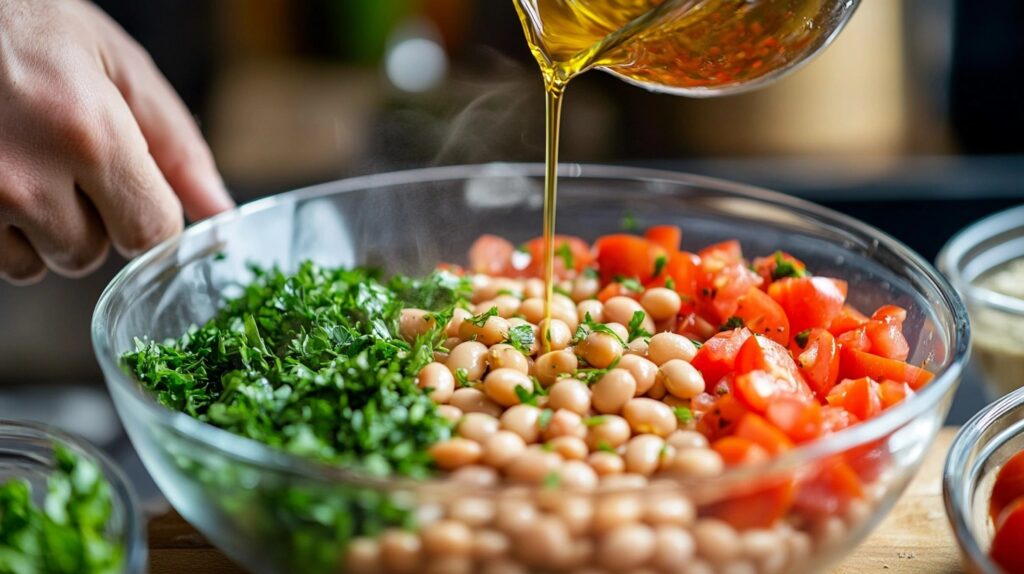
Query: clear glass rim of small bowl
[(251, 451), (957, 479), (962, 245), (135, 551)]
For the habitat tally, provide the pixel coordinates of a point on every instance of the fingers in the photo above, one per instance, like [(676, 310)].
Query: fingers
[(65, 230), (115, 171), (174, 139), (19, 263)]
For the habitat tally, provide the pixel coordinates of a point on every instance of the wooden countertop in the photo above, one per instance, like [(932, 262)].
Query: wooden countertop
[(914, 538)]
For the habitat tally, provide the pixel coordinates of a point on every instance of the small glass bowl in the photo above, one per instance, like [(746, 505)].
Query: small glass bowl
[(997, 319), (26, 452), (979, 450)]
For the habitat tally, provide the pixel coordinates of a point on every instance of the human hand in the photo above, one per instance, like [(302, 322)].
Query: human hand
[(95, 146)]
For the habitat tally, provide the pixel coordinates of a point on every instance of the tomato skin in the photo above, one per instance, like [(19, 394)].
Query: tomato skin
[(893, 393), (681, 267), (693, 326), (762, 354), (615, 289), (580, 250), (886, 337), (835, 419), (492, 255), (856, 339), (668, 237), (809, 301), (847, 320), (737, 451), (763, 316), (1006, 545), (818, 361), (626, 255), (859, 396), (756, 389), (758, 506), (1009, 486), (855, 364), (723, 253), (800, 420), (722, 279), (759, 431), (723, 417), (717, 356), (829, 490)]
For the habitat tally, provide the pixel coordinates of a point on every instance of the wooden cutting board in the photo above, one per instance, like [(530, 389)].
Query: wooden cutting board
[(914, 538)]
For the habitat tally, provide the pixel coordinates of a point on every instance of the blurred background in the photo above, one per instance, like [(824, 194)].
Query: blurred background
[(911, 121)]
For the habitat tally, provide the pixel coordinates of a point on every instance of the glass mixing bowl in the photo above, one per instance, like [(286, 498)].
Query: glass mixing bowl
[(997, 319), (274, 512), (977, 453), (26, 452)]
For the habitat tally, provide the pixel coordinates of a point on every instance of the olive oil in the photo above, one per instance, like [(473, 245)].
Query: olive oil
[(687, 47)]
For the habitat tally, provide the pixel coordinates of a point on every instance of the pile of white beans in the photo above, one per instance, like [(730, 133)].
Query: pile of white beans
[(565, 462)]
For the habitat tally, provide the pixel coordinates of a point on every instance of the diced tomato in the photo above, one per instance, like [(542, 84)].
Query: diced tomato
[(721, 420), (855, 364), (828, 491), (756, 389), (492, 255), (669, 237), (736, 451), (722, 280), (756, 429), (681, 268), (1009, 538), (818, 360), (856, 339), (722, 254), (451, 268), (869, 460), (847, 320), (835, 419), (893, 392), (1009, 486), (890, 313), (766, 266), (801, 420), (702, 404), (859, 396), (886, 336), (717, 356), (568, 249), (758, 506), (809, 301), (624, 255), (693, 326), (763, 316), (763, 354)]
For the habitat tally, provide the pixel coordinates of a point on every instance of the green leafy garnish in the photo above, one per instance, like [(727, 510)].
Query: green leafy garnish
[(564, 252), (697, 343), (636, 329), (462, 377), (481, 319), (605, 447), (802, 337), (670, 283), (552, 480), (785, 268), (594, 420), (733, 323), (659, 265), (525, 397), (312, 364), (589, 326), (70, 533), (684, 414), (591, 273), (521, 338), (592, 375), (629, 283), (628, 223), (545, 418)]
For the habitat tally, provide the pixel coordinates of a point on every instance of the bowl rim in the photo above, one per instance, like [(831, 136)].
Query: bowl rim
[(254, 452), (964, 241), (956, 492), (136, 549)]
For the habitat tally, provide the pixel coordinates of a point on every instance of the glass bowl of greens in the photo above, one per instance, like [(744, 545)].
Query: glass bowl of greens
[(64, 507), (256, 366)]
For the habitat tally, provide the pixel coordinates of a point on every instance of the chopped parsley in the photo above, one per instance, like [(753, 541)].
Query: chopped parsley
[(594, 420), (802, 337), (462, 377), (70, 532), (684, 414), (591, 273), (629, 223), (590, 326), (629, 283), (636, 329), (564, 252), (545, 418), (670, 283), (481, 319), (521, 338), (552, 480), (659, 265), (605, 447), (733, 323), (786, 268)]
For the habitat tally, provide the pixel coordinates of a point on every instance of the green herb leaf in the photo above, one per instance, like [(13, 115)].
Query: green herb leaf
[(636, 329), (462, 377), (594, 420), (525, 397), (785, 268), (630, 283), (565, 253), (545, 419), (591, 273), (802, 337), (590, 326), (670, 283), (552, 480), (482, 318), (521, 338), (733, 323), (628, 223), (659, 265), (603, 445), (684, 414)]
